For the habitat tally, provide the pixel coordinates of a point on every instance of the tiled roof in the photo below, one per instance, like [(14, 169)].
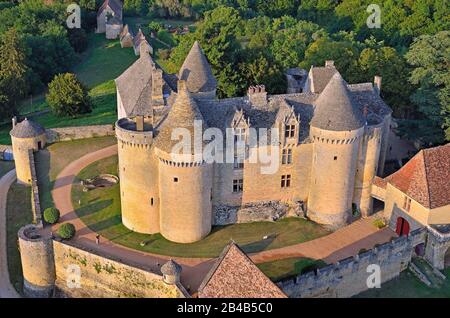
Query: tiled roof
[(197, 72), (170, 268), (27, 129), (234, 275), (335, 108), (380, 182), (115, 5), (425, 178)]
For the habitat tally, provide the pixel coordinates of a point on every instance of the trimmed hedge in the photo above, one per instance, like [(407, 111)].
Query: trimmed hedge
[(66, 231), (51, 215)]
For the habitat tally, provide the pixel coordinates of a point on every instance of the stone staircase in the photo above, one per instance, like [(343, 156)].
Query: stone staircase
[(426, 273)]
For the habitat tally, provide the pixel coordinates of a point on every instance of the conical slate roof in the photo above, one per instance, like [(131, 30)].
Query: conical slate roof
[(197, 72), (335, 109), (183, 114), (27, 129), (171, 268)]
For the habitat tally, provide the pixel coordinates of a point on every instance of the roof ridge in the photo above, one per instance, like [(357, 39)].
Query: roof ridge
[(427, 182)]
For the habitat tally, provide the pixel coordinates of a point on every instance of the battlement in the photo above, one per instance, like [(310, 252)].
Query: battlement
[(134, 132)]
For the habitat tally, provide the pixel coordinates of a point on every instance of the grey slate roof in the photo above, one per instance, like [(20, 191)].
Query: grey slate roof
[(27, 129), (171, 268), (335, 108), (320, 76), (115, 5), (183, 113), (197, 72)]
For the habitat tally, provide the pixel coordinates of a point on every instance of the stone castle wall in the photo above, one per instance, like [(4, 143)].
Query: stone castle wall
[(106, 277), (35, 201), (81, 132), (21, 146), (349, 277)]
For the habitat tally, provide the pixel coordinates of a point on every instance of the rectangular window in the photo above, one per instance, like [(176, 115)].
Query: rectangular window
[(289, 131), (286, 156), (238, 162), (238, 185), (286, 181), (239, 134), (407, 204)]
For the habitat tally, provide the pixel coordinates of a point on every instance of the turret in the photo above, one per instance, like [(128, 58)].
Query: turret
[(138, 173), (26, 136), (336, 130), (185, 179), (171, 272), (38, 266), (198, 75)]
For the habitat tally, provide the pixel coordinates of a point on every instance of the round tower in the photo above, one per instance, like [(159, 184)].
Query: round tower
[(336, 130), (26, 136), (138, 173), (367, 166), (185, 181), (38, 266), (171, 272)]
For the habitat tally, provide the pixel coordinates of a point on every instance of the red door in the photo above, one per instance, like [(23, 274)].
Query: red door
[(402, 226)]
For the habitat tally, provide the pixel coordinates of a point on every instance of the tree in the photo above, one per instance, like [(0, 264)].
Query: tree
[(66, 231), (12, 72), (430, 55), (67, 96)]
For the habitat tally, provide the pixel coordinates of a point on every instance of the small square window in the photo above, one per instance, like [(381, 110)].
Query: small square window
[(175, 179), (335, 157), (286, 156), (286, 181), (238, 185), (289, 131)]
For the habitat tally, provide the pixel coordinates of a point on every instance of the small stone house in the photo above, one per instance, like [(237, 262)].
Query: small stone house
[(109, 8), (139, 40), (113, 27), (126, 37)]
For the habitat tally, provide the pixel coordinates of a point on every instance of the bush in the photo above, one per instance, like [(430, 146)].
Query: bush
[(66, 231), (164, 54), (67, 96), (379, 223), (51, 215)]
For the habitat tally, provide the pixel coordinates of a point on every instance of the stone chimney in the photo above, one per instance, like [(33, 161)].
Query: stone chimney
[(181, 84), (157, 86), (377, 84), (14, 121), (139, 123), (329, 63), (257, 95)]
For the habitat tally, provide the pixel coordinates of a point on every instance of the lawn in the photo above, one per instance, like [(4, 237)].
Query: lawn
[(100, 210), (284, 268), (51, 161), (5, 166), (409, 286), (18, 214)]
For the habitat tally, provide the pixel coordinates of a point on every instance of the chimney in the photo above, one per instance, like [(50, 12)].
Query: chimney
[(181, 85), (257, 95), (14, 121), (377, 83), (329, 63), (157, 86), (139, 123)]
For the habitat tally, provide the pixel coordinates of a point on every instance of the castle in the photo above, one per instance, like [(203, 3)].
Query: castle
[(333, 142)]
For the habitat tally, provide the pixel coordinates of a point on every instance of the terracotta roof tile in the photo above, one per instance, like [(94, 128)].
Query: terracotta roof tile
[(235, 276)]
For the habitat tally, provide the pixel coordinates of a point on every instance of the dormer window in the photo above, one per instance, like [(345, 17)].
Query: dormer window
[(239, 134), (289, 131)]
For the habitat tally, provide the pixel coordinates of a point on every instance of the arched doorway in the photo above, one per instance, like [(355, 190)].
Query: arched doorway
[(402, 227), (447, 258)]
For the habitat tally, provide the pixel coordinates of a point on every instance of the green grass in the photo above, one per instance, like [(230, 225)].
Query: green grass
[(280, 269), (18, 214), (100, 211), (51, 161), (5, 166), (408, 286)]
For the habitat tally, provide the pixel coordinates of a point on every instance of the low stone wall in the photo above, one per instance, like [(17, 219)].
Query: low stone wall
[(437, 246), (103, 277), (349, 277), (81, 132), (35, 201), (256, 212)]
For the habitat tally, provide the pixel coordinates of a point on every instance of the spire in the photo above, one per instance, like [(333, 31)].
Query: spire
[(183, 114), (335, 109), (197, 72)]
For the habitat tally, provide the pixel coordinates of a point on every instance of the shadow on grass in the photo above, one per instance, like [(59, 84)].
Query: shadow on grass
[(93, 208), (259, 246)]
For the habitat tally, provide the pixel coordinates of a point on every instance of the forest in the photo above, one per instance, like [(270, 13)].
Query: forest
[(252, 42)]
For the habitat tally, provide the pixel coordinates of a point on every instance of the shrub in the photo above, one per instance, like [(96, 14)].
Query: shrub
[(51, 215), (379, 223), (67, 96), (66, 231)]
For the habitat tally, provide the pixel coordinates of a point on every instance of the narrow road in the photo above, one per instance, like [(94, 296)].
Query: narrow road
[(6, 289), (338, 245)]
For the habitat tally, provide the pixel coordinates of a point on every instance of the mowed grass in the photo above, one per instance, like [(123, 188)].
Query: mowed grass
[(52, 160), (5, 166), (288, 267), (100, 211), (18, 214), (409, 286), (103, 61)]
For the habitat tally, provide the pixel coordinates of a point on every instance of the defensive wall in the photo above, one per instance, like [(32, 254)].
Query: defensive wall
[(80, 132)]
